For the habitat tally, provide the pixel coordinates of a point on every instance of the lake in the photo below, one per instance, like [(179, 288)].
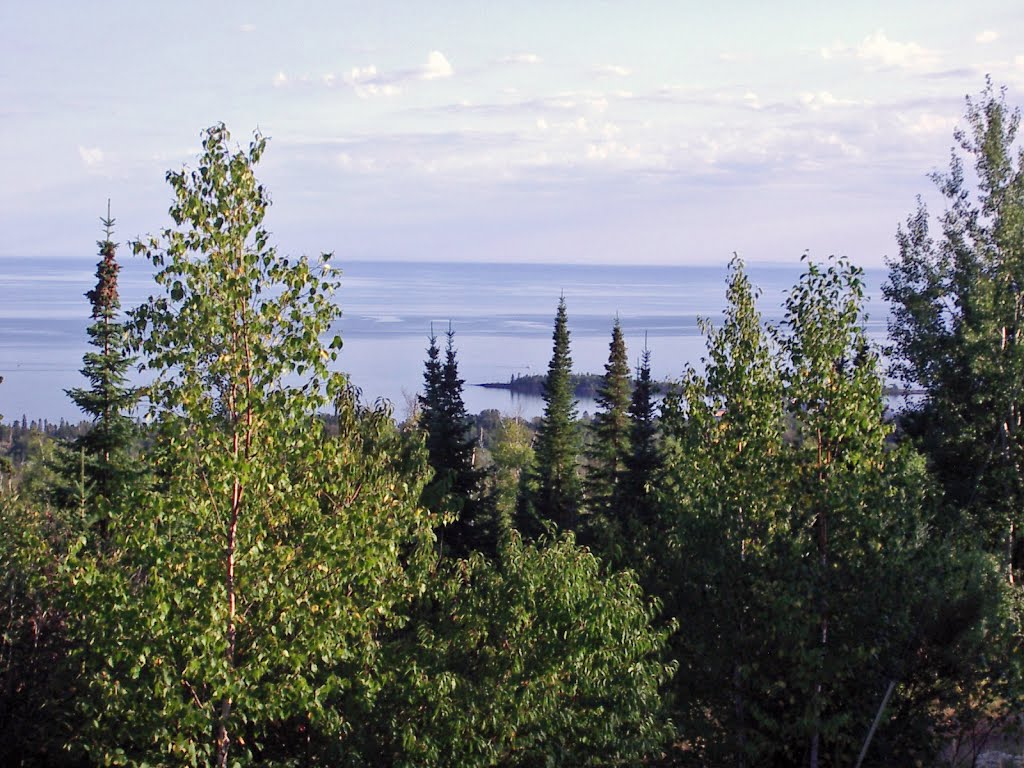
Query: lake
[(502, 315)]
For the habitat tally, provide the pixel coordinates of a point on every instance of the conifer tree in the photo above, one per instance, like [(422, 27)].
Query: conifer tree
[(611, 432), (644, 460), (637, 520), (100, 461), (431, 404), (457, 488), (557, 491)]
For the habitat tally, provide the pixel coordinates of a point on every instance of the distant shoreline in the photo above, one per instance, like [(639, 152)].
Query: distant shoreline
[(585, 385)]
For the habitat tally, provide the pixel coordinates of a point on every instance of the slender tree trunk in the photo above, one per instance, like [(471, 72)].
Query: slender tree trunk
[(822, 526), (737, 678), (874, 724), (223, 736)]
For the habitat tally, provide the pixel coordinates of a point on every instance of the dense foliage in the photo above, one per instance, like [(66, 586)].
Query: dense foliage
[(958, 329), (778, 570)]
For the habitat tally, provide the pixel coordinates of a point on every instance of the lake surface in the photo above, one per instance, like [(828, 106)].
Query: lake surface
[(502, 315)]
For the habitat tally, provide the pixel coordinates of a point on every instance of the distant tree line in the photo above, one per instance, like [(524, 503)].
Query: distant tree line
[(584, 385)]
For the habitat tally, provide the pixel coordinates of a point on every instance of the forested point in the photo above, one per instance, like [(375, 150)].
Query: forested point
[(584, 385), (758, 564)]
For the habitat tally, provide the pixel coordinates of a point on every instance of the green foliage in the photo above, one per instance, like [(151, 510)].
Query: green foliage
[(611, 446), (537, 659), (958, 327), (795, 538), (241, 602), (511, 456), (456, 493), (722, 513), (38, 684), (556, 489), (958, 334)]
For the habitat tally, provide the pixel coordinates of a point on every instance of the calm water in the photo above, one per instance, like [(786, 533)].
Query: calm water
[(502, 315)]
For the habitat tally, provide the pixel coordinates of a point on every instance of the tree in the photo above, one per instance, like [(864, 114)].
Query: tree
[(644, 462), (957, 326), (610, 448), (538, 658), (557, 490), (512, 456), (795, 546), (720, 508), (627, 535), (834, 393), (238, 611), (101, 460), (456, 492)]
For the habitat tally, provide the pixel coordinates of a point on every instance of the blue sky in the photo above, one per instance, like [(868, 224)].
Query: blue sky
[(655, 132)]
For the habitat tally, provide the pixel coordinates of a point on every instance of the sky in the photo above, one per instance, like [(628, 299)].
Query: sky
[(594, 132)]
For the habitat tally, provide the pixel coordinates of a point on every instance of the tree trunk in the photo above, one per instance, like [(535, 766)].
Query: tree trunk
[(223, 736), (874, 725)]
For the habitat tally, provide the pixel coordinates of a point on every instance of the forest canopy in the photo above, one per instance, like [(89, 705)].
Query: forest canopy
[(765, 567)]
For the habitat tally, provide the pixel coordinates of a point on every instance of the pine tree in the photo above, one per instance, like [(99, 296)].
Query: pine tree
[(99, 462), (611, 432), (556, 493)]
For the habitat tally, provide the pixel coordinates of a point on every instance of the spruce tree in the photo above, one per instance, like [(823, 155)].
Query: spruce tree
[(637, 504), (431, 404), (557, 490), (457, 488), (611, 430), (99, 462), (644, 460)]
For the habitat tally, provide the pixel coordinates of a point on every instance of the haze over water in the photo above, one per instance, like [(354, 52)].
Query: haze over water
[(502, 315)]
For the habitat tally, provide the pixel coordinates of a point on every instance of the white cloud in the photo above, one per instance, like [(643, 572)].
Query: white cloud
[(91, 156), (926, 124), (347, 162), (613, 70), (879, 51), (247, 28), (437, 67), (522, 58), (823, 100), (986, 36), (1019, 62), (367, 82), (362, 74)]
